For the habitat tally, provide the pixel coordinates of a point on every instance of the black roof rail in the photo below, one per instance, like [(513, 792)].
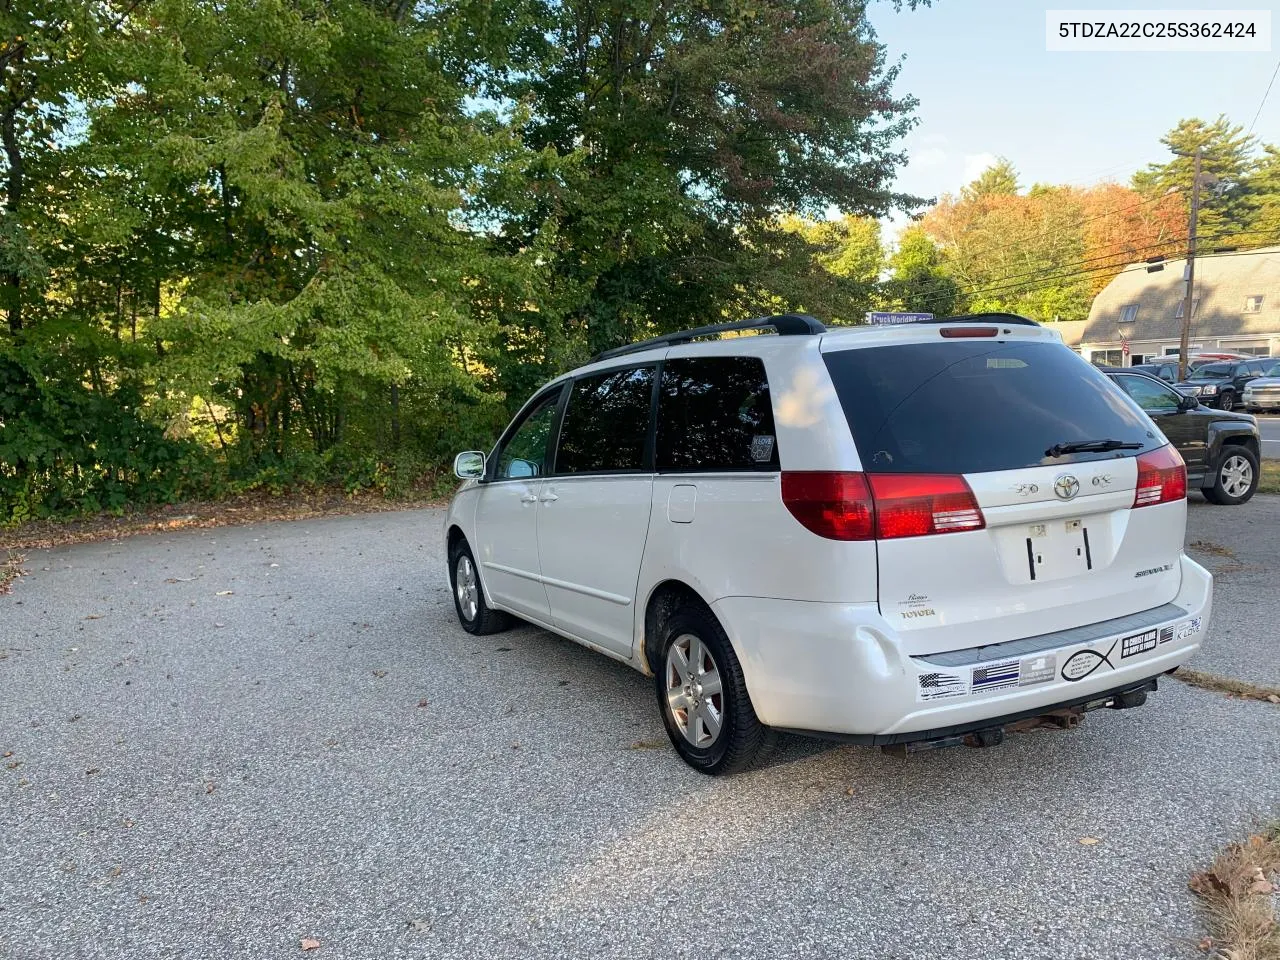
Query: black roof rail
[(786, 324), (985, 318)]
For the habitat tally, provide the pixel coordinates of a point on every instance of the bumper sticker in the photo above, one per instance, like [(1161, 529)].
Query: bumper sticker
[(994, 676), (1138, 643), (1082, 663), (1037, 670), (941, 686), (1189, 628)]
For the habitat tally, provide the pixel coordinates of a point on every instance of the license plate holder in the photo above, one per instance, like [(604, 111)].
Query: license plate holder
[(1057, 549)]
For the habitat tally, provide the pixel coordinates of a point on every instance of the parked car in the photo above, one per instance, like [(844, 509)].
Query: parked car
[(1263, 393), (913, 535), (1220, 448), (1222, 384), (1167, 370)]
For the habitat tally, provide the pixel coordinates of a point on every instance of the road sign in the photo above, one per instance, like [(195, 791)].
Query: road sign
[(892, 319)]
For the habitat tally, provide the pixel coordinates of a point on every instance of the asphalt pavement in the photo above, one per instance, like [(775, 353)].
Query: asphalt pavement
[(217, 743)]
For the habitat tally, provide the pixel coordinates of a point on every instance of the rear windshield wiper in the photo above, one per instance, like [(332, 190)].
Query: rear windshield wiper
[(1091, 446)]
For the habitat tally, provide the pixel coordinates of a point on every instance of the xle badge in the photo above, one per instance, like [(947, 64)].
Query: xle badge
[(1084, 662)]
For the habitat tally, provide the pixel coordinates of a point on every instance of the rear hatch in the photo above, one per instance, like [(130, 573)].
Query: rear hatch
[(989, 524)]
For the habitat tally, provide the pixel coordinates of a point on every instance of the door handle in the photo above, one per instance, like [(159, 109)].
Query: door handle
[(528, 498), (548, 498)]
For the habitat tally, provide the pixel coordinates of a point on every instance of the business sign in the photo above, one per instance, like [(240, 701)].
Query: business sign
[(892, 319)]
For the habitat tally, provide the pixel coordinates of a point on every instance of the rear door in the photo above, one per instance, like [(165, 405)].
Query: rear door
[(594, 510), (1054, 541)]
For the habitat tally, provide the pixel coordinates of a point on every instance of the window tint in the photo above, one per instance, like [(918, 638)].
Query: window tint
[(972, 407), (606, 423), (714, 413), (1149, 395), (525, 452)]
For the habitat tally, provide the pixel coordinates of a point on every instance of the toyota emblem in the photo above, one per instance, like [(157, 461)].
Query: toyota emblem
[(1066, 487)]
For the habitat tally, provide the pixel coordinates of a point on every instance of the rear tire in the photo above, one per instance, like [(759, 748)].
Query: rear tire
[(475, 615), (1235, 480), (703, 696)]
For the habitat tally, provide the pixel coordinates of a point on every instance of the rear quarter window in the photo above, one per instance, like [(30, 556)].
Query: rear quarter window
[(978, 406)]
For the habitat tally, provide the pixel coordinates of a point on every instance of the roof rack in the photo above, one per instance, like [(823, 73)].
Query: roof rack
[(985, 318), (786, 324)]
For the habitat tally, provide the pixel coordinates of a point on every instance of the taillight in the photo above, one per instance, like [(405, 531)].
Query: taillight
[(833, 505), (918, 504), (883, 506), (1162, 477)]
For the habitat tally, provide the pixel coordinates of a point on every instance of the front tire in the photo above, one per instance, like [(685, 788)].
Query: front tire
[(1236, 479), (703, 696), (1226, 401), (475, 615)]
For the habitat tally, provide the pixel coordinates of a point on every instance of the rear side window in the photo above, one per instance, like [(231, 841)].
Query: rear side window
[(606, 423), (714, 413), (974, 407)]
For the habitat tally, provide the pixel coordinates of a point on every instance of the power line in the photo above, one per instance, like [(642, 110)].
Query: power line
[(1264, 96)]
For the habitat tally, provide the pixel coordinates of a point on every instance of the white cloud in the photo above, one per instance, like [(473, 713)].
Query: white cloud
[(928, 157), (975, 163)]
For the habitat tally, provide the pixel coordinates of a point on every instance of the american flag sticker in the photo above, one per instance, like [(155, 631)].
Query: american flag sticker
[(940, 686), (995, 676)]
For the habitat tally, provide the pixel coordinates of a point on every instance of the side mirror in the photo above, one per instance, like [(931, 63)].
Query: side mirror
[(1188, 403), (469, 465)]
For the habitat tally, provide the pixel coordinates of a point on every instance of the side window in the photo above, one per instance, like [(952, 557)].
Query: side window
[(525, 452), (606, 425), (1149, 395), (714, 413)]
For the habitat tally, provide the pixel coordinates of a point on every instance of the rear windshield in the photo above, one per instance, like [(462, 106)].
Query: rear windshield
[(978, 406)]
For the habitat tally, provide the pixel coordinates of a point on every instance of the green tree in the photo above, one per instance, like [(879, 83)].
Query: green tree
[(919, 278), (998, 180), (1226, 208)]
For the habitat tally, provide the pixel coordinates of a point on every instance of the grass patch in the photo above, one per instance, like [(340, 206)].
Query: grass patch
[(1270, 480), (1233, 688), (1236, 898)]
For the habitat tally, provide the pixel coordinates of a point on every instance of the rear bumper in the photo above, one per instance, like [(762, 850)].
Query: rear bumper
[(839, 669)]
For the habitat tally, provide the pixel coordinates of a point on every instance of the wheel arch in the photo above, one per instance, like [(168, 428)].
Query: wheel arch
[(664, 599)]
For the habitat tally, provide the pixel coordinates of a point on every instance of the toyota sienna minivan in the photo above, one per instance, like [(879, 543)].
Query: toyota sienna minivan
[(905, 536)]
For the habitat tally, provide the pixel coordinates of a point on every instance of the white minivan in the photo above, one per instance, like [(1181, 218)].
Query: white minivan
[(906, 536)]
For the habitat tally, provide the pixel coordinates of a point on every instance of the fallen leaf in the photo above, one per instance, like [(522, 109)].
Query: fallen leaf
[(91, 771), (1261, 886), (1088, 841), (849, 792), (419, 926), (116, 871), (309, 944), (210, 787), (216, 624), (1207, 884), (1206, 944), (422, 702), (379, 674), (1272, 698), (7, 754), (224, 593), (94, 616)]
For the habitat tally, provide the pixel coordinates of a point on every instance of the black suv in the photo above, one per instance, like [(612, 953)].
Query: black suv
[(1220, 448), (1221, 384)]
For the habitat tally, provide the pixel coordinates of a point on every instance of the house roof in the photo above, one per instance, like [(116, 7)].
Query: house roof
[(1222, 284)]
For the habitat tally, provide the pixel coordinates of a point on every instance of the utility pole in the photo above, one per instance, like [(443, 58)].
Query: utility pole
[(1188, 302)]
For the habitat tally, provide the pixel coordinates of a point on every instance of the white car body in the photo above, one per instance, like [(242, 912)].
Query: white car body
[(879, 641)]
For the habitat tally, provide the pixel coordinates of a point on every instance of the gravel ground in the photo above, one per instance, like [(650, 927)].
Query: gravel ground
[(324, 753), (1241, 545)]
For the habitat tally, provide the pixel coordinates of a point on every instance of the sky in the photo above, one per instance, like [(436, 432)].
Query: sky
[(988, 88)]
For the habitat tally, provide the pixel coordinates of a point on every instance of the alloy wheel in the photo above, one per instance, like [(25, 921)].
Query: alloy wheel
[(1236, 474), (466, 588), (695, 693)]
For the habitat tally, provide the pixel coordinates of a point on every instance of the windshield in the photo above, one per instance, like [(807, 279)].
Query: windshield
[(1215, 371), (1272, 371)]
